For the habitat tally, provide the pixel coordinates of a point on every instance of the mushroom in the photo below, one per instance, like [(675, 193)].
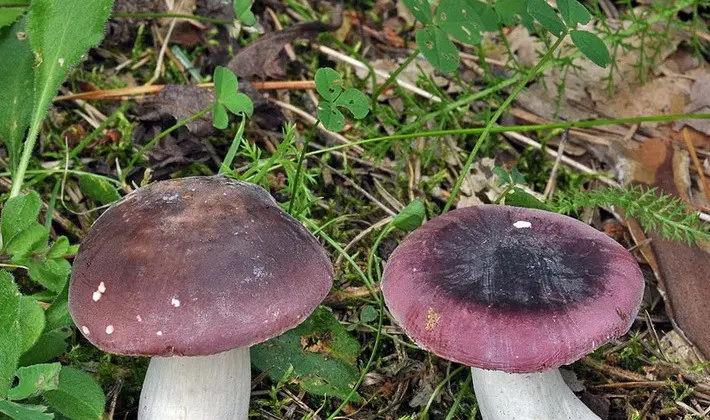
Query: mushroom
[(514, 293), (192, 272)]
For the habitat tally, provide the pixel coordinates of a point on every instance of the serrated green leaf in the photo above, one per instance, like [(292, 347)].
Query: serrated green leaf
[(35, 379), (459, 19), (545, 14), (368, 314), (520, 198), (321, 351), (573, 13), (59, 248), (24, 411), (329, 83), (17, 81), (78, 396), (592, 47), (50, 345), (10, 14), (10, 333), (18, 214), (330, 116), (411, 217), (220, 119), (31, 240), (31, 320), (354, 101), (438, 49), (98, 189), (50, 273), (420, 9)]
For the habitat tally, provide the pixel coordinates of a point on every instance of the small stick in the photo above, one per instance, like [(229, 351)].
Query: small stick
[(553, 173)]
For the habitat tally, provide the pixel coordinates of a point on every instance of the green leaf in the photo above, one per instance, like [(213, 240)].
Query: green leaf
[(329, 83), (368, 314), (460, 19), (220, 119), (438, 49), (321, 351), (420, 9), (50, 345), (487, 15), (24, 411), (330, 116), (592, 47), (248, 18), (35, 379), (354, 101), (545, 14), (31, 240), (18, 214), (31, 322), (411, 217), (502, 175), (520, 198), (57, 315), (78, 397), (10, 333), (509, 10), (242, 10), (98, 189), (573, 12), (50, 273), (239, 103), (8, 15), (59, 248), (17, 81)]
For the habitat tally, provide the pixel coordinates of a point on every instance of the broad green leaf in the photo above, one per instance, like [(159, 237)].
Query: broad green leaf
[(24, 411), (78, 397), (10, 333), (50, 273), (220, 119), (546, 15), (239, 103), (31, 322), (321, 351), (520, 198), (330, 116), (17, 80), (50, 345), (509, 10), (329, 83), (57, 315), (354, 101), (438, 49), (411, 217), (60, 33), (459, 19), (242, 10), (59, 248), (18, 214), (573, 12), (225, 83), (98, 189), (488, 17), (368, 313), (31, 240), (420, 9), (592, 47), (35, 379)]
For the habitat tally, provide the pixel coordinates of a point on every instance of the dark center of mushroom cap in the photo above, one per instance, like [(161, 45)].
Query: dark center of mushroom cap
[(495, 264)]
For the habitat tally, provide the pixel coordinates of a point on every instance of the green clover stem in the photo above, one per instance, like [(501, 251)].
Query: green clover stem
[(299, 165), (393, 76), (487, 130)]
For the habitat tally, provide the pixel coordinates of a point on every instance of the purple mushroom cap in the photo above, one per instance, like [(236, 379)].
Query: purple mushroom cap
[(195, 266), (511, 289)]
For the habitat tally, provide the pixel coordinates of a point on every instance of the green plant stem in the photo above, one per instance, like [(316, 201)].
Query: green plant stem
[(393, 76), (437, 390), (487, 131), (299, 165), (29, 145), (171, 15), (177, 125), (232, 152), (100, 129)]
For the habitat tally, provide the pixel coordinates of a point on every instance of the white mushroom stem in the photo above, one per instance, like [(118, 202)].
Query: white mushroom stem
[(213, 387), (543, 395)]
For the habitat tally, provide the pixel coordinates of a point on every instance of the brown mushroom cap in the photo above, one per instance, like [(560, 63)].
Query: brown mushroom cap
[(512, 289), (195, 266)]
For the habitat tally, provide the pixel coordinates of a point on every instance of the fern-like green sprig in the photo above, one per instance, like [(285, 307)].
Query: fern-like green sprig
[(667, 215)]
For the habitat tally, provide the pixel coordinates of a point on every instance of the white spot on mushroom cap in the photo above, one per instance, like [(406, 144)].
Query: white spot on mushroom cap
[(109, 329), (96, 296), (159, 333), (520, 224), (175, 302), (85, 330), (138, 318), (102, 287)]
